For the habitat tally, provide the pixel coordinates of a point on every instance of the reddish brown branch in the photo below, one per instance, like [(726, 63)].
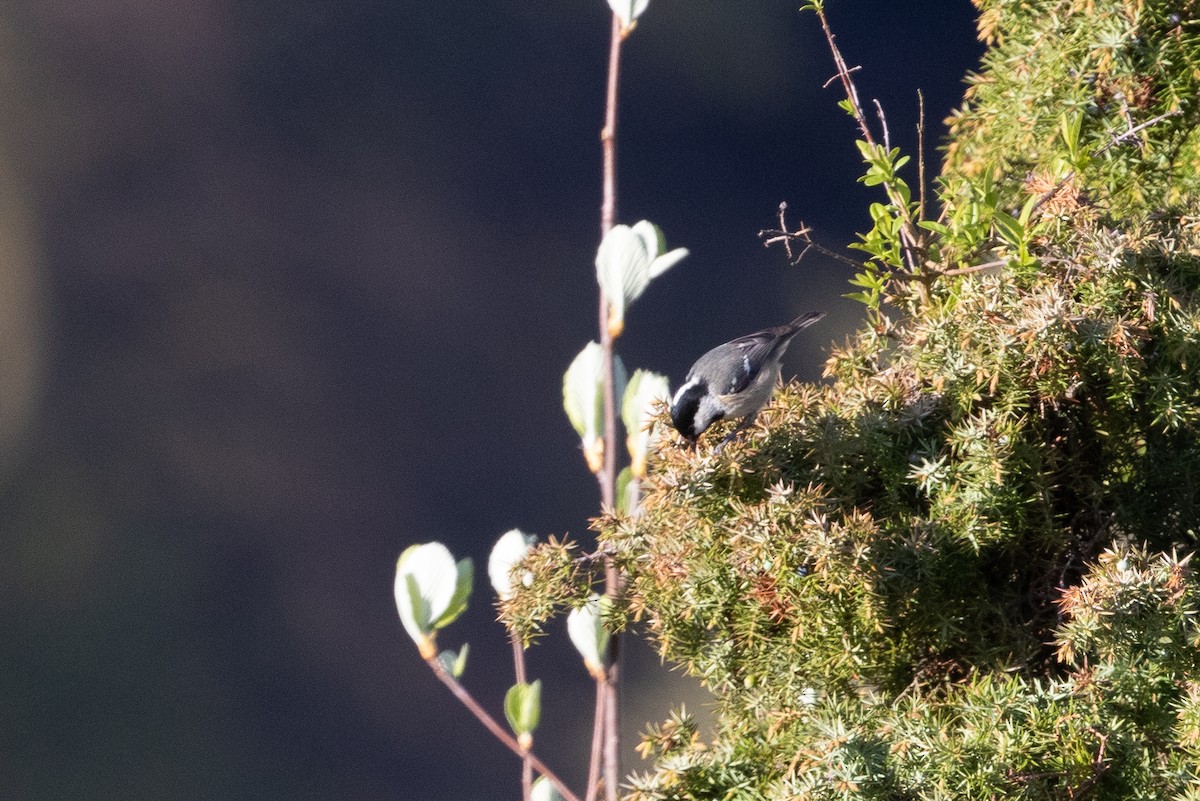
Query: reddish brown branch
[(490, 723), (606, 707)]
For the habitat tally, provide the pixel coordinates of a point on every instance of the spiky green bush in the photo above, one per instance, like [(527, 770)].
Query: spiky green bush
[(960, 570)]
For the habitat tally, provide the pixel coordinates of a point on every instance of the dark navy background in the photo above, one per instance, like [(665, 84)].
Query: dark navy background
[(288, 286)]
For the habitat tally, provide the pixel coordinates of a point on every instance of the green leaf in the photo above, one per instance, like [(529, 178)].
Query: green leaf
[(627, 491), (454, 663), (1069, 126), (462, 592), (1009, 228), (523, 707)]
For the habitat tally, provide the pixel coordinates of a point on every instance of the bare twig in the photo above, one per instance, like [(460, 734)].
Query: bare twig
[(1135, 130), (775, 236), (593, 779), (887, 139), (520, 675), (490, 723), (600, 554), (612, 755), (606, 700), (920, 155), (833, 78), (975, 268), (781, 235)]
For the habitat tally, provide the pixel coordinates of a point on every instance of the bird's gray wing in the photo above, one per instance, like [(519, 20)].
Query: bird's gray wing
[(756, 349)]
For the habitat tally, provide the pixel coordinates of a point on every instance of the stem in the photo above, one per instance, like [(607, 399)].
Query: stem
[(908, 229), (606, 700), (496, 729), (612, 754), (921, 154), (608, 136), (593, 780), (526, 764)]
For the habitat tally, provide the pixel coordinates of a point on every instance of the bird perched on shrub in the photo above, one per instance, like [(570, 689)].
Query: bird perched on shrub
[(734, 380)]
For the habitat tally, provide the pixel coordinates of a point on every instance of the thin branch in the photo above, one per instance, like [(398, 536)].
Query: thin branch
[(975, 268), (920, 155), (833, 78), (1135, 130), (496, 729), (776, 236), (601, 554), (612, 754), (908, 230), (608, 475), (520, 676), (593, 779), (887, 139)]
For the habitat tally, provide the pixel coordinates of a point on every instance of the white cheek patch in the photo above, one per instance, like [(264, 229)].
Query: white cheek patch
[(683, 389)]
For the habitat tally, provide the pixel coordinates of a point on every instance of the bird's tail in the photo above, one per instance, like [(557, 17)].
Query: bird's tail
[(805, 320)]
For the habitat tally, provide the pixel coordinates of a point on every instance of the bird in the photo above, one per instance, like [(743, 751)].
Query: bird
[(734, 380)]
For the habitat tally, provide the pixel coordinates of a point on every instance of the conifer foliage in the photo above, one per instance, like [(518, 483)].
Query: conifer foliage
[(961, 568)]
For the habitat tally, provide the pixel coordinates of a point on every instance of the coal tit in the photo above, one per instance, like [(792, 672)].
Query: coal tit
[(734, 380)]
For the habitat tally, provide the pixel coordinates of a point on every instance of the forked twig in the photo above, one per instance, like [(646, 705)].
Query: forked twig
[(781, 235)]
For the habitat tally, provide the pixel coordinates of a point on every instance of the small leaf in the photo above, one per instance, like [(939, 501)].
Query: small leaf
[(637, 412), (628, 491), (431, 590), (626, 261), (543, 790), (1069, 127), (628, 10), (510, 549), (587, 631), (1009, 228), (462, 592), (454, 663), (583, 399), (523, 707)]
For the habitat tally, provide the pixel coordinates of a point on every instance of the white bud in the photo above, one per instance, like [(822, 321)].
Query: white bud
[(583, 399), (637, 410), (626, 261), (508, 550), (585, 626), (431, 590)]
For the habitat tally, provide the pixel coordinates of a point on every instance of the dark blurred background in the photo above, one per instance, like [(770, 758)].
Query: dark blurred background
[(288, 286)]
